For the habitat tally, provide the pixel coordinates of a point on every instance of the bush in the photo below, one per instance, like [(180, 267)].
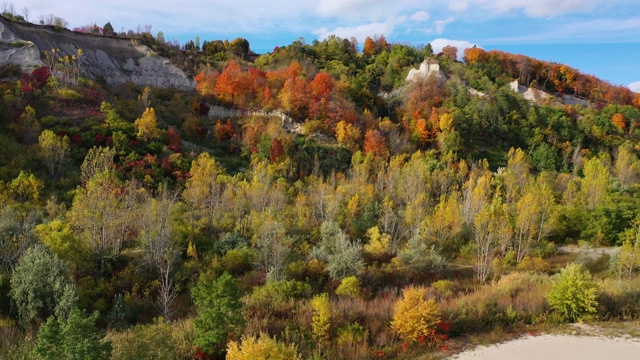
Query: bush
[(159, 340), (349, 287), (263, 347), (414, 316), (573, 294)]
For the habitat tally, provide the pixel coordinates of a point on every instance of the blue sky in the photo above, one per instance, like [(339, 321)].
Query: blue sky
[(595, 36)]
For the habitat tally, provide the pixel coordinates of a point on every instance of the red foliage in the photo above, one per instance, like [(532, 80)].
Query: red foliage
[(174, 141), (224, 132), (322, 85), (375, 143), (276, 150)]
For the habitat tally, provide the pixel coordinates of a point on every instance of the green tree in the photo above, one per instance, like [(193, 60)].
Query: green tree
[(218, 305), (74, 337), (41, 286), (573, 294)]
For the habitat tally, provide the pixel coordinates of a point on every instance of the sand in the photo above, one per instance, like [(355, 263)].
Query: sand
[(558, 347)]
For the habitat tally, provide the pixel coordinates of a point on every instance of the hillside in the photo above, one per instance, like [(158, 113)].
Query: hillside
[(110, 59), (316, 201)]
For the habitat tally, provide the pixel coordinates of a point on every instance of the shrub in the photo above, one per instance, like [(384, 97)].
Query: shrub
[(535, 264), (159, 340), (263, 347), (414, 316), (349, 287), (573, 294)]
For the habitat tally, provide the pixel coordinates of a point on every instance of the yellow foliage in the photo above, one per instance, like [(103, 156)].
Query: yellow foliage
[(263, 347), (147, 126), (349, 287), (378, 244), (321, 320), (413, 315)]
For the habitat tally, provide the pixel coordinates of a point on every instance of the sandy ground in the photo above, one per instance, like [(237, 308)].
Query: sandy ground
[(558, 347)]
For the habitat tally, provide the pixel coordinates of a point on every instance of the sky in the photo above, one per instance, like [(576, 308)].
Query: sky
[(598, 37)]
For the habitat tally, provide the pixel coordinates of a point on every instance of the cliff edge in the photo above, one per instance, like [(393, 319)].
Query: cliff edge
[(111, 59)]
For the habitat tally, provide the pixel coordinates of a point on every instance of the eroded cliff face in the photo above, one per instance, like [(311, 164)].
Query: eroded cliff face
[(114, 60)]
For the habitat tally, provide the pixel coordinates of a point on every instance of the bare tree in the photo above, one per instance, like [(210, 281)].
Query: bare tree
[(160, 248)]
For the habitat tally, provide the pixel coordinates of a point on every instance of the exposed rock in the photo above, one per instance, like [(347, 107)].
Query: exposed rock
[(425, 71), (112, 59), (542, 97)]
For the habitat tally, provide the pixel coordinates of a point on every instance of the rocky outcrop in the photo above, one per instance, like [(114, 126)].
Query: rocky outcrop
[(425, 71), (110, 59)]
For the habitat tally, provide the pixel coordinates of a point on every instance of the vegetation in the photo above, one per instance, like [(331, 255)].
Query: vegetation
[(310, 202)]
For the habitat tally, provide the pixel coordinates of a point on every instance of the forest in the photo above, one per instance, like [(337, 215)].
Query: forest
[(311, 203)]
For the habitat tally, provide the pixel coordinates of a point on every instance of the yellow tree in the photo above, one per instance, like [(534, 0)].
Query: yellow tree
[(147, 126), (626, 167), (348, 135), (491, 231), (446, 220), (413, 315), (595, 182), (54, 151)]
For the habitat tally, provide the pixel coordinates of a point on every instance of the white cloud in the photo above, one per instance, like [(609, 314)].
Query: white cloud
[(635, 87), (439, 25), (440, 43), (420, 16), (458, 6), (542, 8), (386, 28)]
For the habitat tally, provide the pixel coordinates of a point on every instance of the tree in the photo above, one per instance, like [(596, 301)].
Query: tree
[(491, 232), (273, 247), (619, 121), (348, 135), (263, 347), (97, 160), (41, 286), (375, 143), (573, 293), (108, 30), (104, 214), (451, 52), (147, 126), (628, 261), (369, 47), (161, 251), (26, 188), (446, 222), (54, 151), (413, 315), (218, 305), (378, 244), (206, 81), (72, 337), (27, 127), (343, 257), (321, 320), (322, 85), (595, 182)]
